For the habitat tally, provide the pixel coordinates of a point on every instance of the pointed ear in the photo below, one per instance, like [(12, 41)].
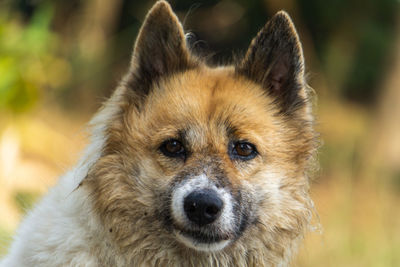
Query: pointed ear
[(160, 48), (275, 60)]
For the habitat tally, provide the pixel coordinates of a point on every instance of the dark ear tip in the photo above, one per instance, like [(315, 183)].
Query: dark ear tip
[(160, 10), (283, 18), (283, 15), (161, 4)]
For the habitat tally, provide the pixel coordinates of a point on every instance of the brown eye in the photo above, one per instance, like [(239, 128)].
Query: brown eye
[(172, 148), (243, 150)]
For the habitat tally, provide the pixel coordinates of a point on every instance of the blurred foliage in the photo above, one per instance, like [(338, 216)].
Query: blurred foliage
[(66, 49), (28, 59), (366, 28)]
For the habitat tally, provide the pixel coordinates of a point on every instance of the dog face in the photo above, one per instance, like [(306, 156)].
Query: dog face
[(199, 159)]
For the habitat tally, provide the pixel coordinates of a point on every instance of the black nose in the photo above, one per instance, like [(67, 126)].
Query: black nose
[(203, 206)]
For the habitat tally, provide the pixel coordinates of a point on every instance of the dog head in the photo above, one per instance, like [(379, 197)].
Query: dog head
[(199, 159)]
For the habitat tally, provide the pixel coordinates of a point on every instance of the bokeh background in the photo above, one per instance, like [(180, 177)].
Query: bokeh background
[(60, 59)]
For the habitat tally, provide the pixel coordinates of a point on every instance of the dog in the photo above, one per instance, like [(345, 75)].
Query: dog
[(188, 165)]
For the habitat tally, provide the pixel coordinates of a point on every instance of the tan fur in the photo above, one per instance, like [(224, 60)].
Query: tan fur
[(126, 182)]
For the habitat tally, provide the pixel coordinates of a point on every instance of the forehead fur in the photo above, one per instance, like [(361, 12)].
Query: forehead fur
[(205, 96)]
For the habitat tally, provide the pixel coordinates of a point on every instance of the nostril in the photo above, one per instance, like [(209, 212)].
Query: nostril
[(203, 206), (212, 210)]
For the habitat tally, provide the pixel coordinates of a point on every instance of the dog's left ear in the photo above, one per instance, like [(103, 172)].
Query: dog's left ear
[(275, 60)]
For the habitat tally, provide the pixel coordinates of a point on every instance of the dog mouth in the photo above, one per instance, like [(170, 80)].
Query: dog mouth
[(201, 241), (202, 237)]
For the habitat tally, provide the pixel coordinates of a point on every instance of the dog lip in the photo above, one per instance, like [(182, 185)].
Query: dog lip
[(205, 245), (201, 237)]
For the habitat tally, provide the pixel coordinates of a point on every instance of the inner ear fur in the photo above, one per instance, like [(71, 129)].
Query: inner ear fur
[(275, 61), (160, 49)]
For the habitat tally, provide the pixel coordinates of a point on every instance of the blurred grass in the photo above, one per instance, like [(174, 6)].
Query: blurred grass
[(5, 240), (357, 204), (25, 200), (360, 227)]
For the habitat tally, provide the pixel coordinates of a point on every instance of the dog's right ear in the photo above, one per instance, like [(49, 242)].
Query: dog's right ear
[(160, 49)]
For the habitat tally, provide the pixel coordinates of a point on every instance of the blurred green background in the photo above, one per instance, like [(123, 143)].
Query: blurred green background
[(60, 59)]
